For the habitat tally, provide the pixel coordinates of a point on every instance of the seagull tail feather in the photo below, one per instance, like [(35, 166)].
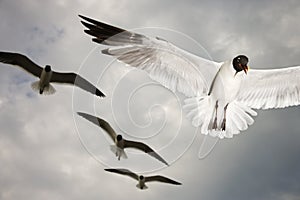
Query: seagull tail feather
[(118, 151), (49, 89), (201, 111)]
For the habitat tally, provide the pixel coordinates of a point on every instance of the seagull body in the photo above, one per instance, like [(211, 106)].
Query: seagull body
[(118, 148), (120, 142), (43, 86), (143, 179), (46, 75), (221, 96)]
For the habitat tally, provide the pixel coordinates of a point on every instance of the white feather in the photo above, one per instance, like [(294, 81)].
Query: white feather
[(173, 67), (139, 186), (276, 88), (200, 110), (36, 86), (118, 151), (48, 89)]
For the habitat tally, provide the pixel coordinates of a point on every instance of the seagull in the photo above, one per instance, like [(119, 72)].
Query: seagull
[(143, 179), (120, 142), (221, 97), (46, 75)]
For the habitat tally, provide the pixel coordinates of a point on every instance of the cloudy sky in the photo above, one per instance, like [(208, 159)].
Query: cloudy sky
[(48, 152)]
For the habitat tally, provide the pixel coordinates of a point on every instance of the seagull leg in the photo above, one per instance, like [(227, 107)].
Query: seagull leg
[(223, 126), (215, 125), (118, 154)]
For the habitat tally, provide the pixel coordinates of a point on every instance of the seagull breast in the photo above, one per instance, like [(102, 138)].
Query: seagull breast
[(227, 83), (141, 183), (45, 76)]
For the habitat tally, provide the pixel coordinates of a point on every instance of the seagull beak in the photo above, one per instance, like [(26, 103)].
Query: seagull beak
[(246, 68)]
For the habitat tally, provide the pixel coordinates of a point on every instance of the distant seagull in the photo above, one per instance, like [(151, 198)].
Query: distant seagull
[(46, 75), (143, 179), (220, 96), (120, 142)]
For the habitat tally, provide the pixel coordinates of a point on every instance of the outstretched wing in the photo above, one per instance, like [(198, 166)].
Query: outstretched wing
[(276, 88), (173, 67), (100, 122), (75, 79), (123, 172), (161, 179), (145, 148), (21, 61)]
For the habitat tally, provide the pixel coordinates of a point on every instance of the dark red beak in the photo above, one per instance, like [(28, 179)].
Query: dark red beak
[(245, 68)]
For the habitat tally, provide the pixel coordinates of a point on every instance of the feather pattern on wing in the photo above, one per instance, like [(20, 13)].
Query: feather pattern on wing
[(265, 89), (173, 67), (161, 179), (101, 123), (145, 148), (124, 172), (21, 61), (75, 79)]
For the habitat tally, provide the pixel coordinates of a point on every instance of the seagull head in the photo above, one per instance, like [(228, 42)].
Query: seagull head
[(240, 63), (47, 68), (119, 138), (141, 177)]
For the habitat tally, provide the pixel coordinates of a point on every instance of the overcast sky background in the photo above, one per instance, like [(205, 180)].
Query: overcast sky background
[(43, 155)]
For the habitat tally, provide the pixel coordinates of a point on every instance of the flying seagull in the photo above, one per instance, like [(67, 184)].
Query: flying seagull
[(143, 179), (46, 75), (221, 96), (120, 142)]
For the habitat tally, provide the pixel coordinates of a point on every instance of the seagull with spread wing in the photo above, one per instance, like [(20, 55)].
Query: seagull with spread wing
[(221, 96), (46, 75), (120, 142), (143, 179)]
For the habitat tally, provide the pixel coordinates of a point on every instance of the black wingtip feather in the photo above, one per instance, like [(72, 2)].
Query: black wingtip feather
[(93, 21), (110, 170), (90, 26), (87, 19), (90, 32), (98, 29), (105, 51), (99, 37), (82, 114), (97, 41), (99, 93), (177, 183), (102, 25)]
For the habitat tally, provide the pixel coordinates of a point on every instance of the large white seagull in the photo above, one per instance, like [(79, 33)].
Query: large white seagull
[(221, 96)]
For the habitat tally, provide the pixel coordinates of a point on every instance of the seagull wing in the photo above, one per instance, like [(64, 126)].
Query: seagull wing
[(276, 88), (123, 172), (75, 79), (161, 179), (100, 122), (176, 69), (145, 148), (21, 61)]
